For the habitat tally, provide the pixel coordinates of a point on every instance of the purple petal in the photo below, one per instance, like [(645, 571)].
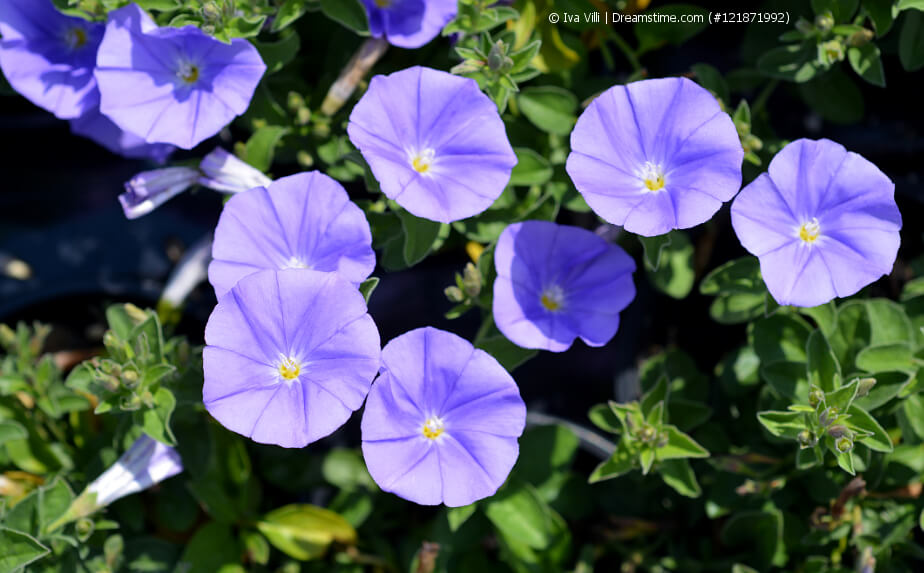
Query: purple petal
[(556, 283), (100, 129), (445, 126), (169, 85), (409, 23), (849, 207), (302, 221), (49, 57), (668, 127), (290, 355), (441, 422)]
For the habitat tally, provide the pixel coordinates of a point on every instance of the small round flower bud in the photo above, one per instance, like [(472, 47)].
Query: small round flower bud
[(84, 528), (816, 396), (828, 416), (824, 22), (844, 444), (860, 38), (471, 280), (130, 378), (454, 294), (807, 439), (837, 431), (647, 434), (130, 403), (864, 385)]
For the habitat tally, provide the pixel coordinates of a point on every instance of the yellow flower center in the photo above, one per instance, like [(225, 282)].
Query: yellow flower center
[(433, 428), (809, 231), (383, 3), (652, 176), (76, 38), (422, 161), (552, 298), (289, 369), (189, 73)]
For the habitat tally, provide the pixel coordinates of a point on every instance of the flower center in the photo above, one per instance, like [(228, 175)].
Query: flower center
[(289, 369), (188, 72), (433, 427), (809, 231), (653, 176), (75, 38), (295, 263), (422, 161), (553, 298)]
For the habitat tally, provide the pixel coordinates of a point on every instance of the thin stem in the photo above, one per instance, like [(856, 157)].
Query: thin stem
[(626, 50), (590, 441), (764, 95), (356, 69)]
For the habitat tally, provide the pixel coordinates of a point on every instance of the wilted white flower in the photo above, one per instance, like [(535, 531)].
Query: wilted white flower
[(149, 190), (222, 171)]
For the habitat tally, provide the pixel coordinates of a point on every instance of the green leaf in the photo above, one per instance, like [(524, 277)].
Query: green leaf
[(780, 337), (507, 353), (676, 30), (867, 62), (19, 550), (760, 531), (795, 63), (549, 108), (261, 147), (156, 421), (622, 461), (911, 41), (861, 420), (276, 55), (457, 516), (888, 322), (674, 276), (679, 445), (678, 474), (783, 424), (921, 520), (10, 430), (841, 10), (910, 5), (885, 357), (304, 532), (349, 13), (888, 386), (737, 308), (546, 454), (345, 469), (519, 513), (603, 417), (843, 397), (531, 168), (657, 395), (880, 12), (211, 547), (835, 96), (653, 247), (53, 502), (711, 79), (241, 27), (288, 13), (823, 369), (420, 237), (368, 287)]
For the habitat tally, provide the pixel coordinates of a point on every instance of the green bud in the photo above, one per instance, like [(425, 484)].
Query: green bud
[(827, 417), (7, 336), (130, 403), (498, 60), (844, 444), (831, 51), (211, 11), (454, 294), (864, 385), (804, 26), (130, 378), (471, 280), (816, 396), (84, 528), (807, 439), (647, 433), (824, 22), (304, 158), (860, 38)]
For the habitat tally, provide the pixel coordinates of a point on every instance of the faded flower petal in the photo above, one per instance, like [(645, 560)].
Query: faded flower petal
[(149, 190), (146, 463), (222, 171)]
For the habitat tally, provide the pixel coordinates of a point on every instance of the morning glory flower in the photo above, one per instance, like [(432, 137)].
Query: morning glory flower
[(434, 142), (655, 155), (96, 126), (409, 23), (442, 420), (556, 283), (49, 57), (149, 190), (290, 355), (823, 222), (172, 85), (304, 221), (146, 463), (222, 171)]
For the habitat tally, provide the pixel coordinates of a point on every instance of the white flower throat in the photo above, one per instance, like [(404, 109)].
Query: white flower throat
[(652, 176)]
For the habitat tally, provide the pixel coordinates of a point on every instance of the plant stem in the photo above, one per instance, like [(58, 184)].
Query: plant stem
[(764, 95), (355, 70), (626, 50)]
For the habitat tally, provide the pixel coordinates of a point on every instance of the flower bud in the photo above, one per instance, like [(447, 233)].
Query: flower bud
[(149, 190), (471, 280), (647, 433), (828, 416), (860, 38), (222, 171), (864, 385), (807, 439), (816, 396), (831, 52), (844, 444), (837, 431), (498, 60), (824, 22), (454, 294)]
